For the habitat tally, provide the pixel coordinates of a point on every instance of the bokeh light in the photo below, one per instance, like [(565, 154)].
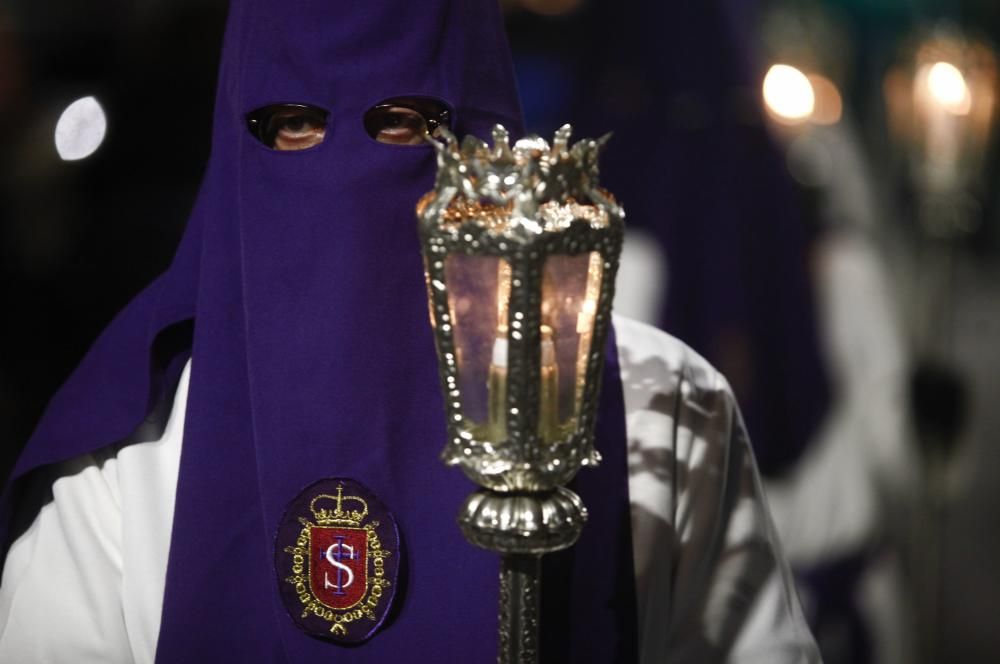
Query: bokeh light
[(788, 94), (80, 129), (829, 105), (948, 88)]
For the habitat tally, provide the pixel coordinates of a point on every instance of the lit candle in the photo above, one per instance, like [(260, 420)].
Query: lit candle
[(548, 406), (496, 387)]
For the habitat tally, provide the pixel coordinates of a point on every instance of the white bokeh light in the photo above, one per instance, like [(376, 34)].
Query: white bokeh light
[(948, 88), (80, 129), (788, 93)]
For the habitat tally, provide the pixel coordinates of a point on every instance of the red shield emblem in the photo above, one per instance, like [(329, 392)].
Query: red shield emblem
[(337, 555), (338, 566)]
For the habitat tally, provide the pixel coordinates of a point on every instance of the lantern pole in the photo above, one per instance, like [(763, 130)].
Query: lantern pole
[(514, 209), (520, 604), (521, 527)]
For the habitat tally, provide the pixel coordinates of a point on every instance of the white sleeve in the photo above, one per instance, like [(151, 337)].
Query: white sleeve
[(60, 598), (712, 584), (84, 583)]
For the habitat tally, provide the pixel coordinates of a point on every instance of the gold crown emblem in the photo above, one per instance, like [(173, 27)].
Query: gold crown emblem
[(331, 512)]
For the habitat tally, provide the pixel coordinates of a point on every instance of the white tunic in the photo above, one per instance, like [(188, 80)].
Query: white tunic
[(84, 583)]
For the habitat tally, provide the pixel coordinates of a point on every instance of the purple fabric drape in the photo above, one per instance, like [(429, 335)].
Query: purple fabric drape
[(311, 352)]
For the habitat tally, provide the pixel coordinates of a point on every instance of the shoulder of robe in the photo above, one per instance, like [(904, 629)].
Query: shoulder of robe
[(660, 366), (97, 471)]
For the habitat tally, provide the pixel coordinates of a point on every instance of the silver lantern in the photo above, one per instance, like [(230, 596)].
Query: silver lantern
[(521, 248)]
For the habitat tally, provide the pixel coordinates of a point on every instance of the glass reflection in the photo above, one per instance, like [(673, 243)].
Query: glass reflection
[(479, 289), (478, 297), (571, 286)]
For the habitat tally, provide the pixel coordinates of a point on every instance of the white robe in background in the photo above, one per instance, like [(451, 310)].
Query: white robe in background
[(84, 583)]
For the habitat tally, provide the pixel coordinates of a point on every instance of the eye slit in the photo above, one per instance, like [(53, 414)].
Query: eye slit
[(402, 126), (407, 120), (288, 127)]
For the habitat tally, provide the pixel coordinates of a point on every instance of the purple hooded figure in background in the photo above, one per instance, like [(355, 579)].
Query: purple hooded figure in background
[(721, 204), (292, 331), (701, 179)]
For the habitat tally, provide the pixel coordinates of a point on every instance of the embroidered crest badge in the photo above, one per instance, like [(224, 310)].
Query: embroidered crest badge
[(337, 558)]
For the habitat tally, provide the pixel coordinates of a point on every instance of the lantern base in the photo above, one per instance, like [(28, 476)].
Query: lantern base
[(523, 523)]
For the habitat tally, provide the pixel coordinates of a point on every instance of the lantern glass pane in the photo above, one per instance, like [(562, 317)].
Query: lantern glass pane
[(571, 286), (478, 300)]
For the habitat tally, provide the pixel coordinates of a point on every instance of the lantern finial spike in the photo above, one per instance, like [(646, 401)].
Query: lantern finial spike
[(474, 147), (561, 140), (501, 144)]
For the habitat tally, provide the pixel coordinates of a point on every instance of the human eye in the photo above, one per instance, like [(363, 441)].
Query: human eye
[(406, 120), (401, 126), (288, 127)]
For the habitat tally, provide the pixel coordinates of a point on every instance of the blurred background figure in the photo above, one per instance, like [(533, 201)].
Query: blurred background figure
[(940, 97), (812, 201), (707, 196), (838, 510)]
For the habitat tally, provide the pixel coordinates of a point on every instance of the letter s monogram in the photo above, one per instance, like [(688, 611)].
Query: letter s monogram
[(334, 559)]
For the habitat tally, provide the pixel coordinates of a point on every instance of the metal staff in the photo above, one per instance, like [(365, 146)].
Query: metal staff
[(521, 248)]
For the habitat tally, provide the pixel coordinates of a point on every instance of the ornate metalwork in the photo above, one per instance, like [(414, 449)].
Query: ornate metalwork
[(522, 205), (523, 523), (520, 601)]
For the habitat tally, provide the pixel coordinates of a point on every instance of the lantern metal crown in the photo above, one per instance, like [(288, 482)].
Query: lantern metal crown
[(527, 179), (521, 248)]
